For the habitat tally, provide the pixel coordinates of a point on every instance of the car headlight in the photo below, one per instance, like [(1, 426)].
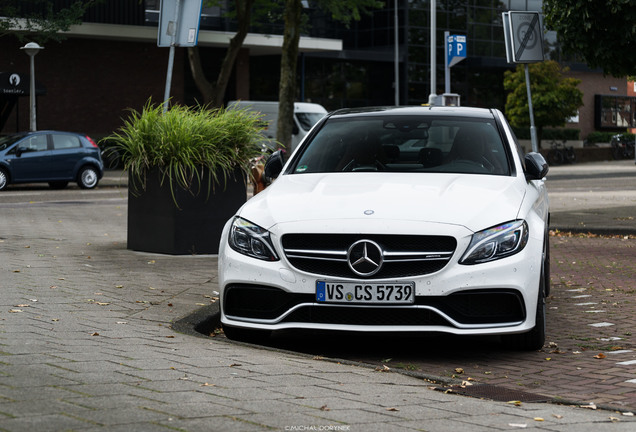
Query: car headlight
[(497, 242), (251, 240)]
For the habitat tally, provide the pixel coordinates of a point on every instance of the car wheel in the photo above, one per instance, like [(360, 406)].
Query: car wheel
[(87, 178), (246, 335), (58, 184), (535, 338), (4, 179)]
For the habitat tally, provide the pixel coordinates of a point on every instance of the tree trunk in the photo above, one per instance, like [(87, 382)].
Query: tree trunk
[(287, 88), (214, 95), (198, 75)]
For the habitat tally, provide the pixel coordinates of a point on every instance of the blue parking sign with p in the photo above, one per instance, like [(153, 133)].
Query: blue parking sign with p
[(456, 46)]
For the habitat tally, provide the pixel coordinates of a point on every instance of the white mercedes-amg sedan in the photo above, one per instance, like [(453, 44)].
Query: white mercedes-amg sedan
[(399, 219)]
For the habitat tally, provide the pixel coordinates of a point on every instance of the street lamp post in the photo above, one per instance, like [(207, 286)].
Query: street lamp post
[(32, 49)]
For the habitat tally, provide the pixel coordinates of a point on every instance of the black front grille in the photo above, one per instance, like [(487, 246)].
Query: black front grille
[(256, 302), (404, 255)]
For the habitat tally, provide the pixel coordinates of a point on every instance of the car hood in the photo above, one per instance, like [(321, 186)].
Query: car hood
[(473, 201)]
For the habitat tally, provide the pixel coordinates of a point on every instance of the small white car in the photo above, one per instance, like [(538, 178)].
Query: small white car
[(403, 219)]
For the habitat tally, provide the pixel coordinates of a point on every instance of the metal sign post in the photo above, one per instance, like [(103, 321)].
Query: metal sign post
[(178, 26), (454, 53), (523, 35)]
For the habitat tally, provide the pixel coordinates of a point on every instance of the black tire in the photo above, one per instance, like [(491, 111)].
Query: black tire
[(534, 339), (571, 155), (4, 179), (58, 184), (246, 335), (617, 152), (87, 178)]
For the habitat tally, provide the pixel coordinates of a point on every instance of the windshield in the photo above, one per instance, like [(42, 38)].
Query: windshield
[(406, 144), (307, 120), (7, 141)]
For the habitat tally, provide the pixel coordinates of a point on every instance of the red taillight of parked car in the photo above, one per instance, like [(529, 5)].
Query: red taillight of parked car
[(90, 140)]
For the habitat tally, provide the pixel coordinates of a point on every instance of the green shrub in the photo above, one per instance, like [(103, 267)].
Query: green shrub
[(599, 137), (561, 134), (550, 134), (184, 141)]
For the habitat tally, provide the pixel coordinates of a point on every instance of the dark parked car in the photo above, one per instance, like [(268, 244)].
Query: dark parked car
[(50, 156)]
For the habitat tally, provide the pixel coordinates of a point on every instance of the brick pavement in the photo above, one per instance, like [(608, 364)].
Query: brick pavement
[(590, 351), (86, 344)]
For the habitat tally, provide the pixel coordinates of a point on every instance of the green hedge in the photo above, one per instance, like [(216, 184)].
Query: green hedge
[(550, 134), (600, 137)]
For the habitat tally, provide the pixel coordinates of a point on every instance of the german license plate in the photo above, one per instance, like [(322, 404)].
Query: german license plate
[(357, 292)]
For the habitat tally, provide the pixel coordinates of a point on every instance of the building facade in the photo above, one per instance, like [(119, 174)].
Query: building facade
[(111, 63)]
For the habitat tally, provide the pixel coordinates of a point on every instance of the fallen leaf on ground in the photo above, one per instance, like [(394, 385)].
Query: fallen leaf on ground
[(600, 356)]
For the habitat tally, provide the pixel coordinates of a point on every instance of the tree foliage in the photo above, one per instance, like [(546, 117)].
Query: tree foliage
[(602, 33), (555, 97), (40, 20)]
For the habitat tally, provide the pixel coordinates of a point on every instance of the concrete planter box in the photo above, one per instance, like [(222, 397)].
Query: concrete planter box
[(156, 224)]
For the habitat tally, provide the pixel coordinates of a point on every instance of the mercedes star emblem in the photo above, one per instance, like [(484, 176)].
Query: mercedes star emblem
[(365, 257)]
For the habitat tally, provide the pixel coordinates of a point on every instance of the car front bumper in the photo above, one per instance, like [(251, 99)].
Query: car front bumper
[(497, 297)]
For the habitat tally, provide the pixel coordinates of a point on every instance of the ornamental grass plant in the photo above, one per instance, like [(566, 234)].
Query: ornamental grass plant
[(184, 143)]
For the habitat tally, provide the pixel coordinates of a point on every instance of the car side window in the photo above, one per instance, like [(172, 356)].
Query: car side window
[(35, 143), (61, 141)]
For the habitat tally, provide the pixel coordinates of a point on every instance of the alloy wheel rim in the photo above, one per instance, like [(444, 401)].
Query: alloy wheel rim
[(89, 178)]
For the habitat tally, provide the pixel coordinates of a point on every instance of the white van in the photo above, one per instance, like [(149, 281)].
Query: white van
[(306, 115)]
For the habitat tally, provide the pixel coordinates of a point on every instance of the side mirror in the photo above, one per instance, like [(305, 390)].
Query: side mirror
[(20, 150), (274, 164), (536, 166)]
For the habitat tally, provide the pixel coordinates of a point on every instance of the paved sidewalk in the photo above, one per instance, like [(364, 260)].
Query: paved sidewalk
[(86, 344)]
